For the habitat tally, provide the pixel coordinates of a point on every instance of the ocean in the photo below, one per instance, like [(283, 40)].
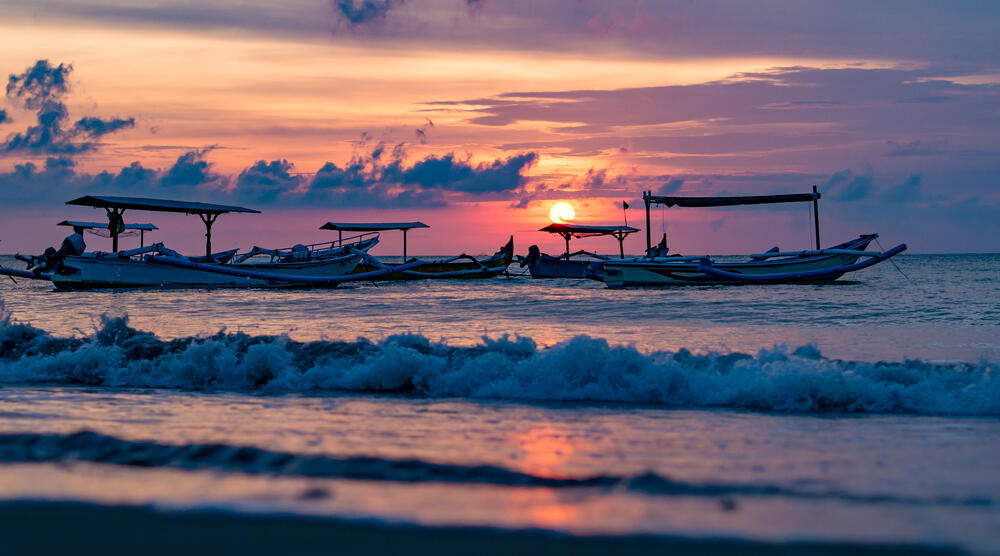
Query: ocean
[(508, 415)]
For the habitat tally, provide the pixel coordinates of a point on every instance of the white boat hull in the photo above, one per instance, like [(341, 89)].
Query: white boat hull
[(87, 272)]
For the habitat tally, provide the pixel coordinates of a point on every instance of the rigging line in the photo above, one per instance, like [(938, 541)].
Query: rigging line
[(877, 242)]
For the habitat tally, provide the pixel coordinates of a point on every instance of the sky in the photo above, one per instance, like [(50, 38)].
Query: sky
[(476, 116)]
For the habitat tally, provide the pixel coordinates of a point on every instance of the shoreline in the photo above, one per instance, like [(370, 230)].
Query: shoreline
[(34, 527)]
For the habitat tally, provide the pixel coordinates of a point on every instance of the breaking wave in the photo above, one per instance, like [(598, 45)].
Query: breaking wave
[(98, 448), (509, 368)]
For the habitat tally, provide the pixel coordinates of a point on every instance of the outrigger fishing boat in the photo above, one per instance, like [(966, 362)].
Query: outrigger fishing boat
[(461, 266), (585, 265), (317, 265), (772, 267)]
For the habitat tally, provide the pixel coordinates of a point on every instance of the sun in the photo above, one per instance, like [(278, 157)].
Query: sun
[(562, 212)]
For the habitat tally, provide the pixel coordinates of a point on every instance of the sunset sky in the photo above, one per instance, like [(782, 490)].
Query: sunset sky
[(477, 116)]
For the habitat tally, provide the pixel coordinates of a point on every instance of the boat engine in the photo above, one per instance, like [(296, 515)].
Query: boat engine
[(534, 253)]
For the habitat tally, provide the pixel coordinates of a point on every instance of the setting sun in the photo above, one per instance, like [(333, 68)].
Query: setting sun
[(562, 212)]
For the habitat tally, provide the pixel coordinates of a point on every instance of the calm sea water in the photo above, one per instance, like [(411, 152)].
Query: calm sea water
[(867, 411)]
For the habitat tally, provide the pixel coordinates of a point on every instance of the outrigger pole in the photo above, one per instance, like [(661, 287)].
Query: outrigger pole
[(651, 199)]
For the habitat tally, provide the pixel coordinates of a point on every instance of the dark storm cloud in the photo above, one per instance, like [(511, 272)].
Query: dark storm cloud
[(59, 178), (361, 12), (846, 186), (96, 127), (910, 191), (670, 186), (452, 174), (134, 177), (42, 88), (3, 117), (39, 84), (265, 181), (190, 170), (380, 179)]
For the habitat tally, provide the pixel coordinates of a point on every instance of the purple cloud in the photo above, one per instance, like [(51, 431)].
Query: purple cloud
[(42, 88)]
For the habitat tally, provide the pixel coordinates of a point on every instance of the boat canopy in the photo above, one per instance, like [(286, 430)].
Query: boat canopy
[(104, 225), (115, 206), (578, 230), (157, 205), (342, 227), (371, 226), (731, 201)]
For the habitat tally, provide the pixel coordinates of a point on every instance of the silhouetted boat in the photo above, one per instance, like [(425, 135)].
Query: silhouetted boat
[(324, 264), (585, 265), (772, 267), (461, 266)]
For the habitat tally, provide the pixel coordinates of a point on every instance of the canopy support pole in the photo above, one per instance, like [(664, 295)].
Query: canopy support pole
[(142, 238), (208, 219), (649, 241), (620, 236), (816, 215), (404, 245), (566, 236)]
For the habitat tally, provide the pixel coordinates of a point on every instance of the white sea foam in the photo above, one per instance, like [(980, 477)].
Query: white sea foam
[(510, 368)]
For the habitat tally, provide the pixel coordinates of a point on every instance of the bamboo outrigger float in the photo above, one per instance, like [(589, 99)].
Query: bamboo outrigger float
[(461, 266), (317, 265), (773, 267), (542, 265)]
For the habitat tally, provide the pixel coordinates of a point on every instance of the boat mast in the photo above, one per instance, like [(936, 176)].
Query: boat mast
[(816, 214), (649, 242)]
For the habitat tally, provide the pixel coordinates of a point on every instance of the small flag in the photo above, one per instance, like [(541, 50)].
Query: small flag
[(624, 205)]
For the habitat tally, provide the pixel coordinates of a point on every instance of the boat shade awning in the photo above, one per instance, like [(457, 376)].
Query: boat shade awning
[(732, 201), (371, 226), (582, 230), (104, 225), (158, 205)]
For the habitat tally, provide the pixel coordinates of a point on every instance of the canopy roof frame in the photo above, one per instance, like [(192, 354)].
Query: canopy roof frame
[(671, 201), (116, 206), (342, 227), (568, 231), (143, 228)]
